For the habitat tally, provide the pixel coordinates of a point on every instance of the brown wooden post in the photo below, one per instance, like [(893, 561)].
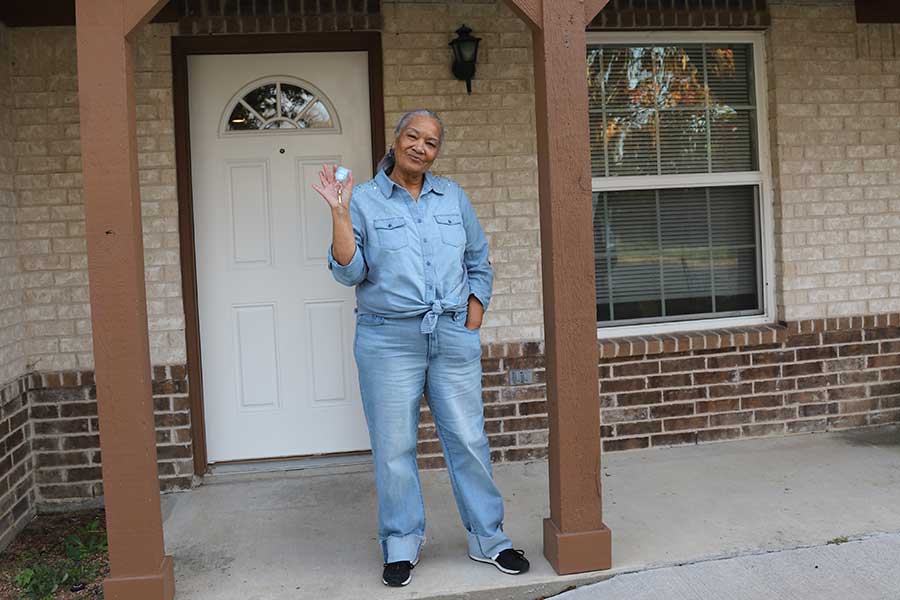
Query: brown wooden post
[(575, 538), (139, 568)]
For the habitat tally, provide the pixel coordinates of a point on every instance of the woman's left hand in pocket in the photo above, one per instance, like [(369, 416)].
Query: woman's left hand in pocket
[(475, 314)]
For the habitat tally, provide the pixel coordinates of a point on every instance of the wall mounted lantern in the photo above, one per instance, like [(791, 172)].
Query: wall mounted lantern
[(465, 54)]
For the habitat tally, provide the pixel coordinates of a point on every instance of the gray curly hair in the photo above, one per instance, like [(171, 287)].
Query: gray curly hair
[(387, 163)]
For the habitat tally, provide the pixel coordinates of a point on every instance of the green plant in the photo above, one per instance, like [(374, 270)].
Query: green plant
[(838, 540), (41, 581)]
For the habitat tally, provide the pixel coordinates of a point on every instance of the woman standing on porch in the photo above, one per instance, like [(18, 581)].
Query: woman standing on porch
[(411, 244)]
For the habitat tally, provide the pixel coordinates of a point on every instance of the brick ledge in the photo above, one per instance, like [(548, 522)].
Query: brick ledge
[(712, 339)]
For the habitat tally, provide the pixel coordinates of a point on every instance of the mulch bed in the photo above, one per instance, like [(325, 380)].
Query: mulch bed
[(43, 541)]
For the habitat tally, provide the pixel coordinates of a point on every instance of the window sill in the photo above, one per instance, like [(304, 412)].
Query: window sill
[(710, 339)]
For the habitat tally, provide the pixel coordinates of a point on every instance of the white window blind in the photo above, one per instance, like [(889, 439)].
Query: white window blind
[(692, 250)]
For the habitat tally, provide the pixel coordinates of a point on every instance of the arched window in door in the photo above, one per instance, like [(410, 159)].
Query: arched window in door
[(280, 104)]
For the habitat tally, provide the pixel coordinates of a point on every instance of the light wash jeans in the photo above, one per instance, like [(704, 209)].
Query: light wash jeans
[(397, 361)]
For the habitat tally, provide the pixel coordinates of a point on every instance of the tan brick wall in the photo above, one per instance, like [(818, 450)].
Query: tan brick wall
[(490, 139), (835, 90), (50, 211), (12, 328)]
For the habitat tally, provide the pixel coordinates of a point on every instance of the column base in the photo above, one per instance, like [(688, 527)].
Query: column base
[(577, 552), (159, 586)]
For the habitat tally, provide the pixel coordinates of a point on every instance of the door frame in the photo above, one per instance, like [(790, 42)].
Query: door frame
[(265, 43)]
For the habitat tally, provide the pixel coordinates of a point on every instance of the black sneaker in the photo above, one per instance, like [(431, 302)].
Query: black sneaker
[(398, 574), (510, 561)]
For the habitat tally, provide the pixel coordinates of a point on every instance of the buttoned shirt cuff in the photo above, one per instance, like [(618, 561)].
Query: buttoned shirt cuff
[(350, 273)]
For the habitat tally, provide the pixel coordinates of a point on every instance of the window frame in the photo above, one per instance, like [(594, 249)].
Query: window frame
[(761, 178)]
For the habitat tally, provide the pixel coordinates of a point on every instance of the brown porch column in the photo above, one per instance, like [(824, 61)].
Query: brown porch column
[(575, 538), (139, 568)]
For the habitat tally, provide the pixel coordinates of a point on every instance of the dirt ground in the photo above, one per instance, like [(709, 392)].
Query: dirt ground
[(43, 541)]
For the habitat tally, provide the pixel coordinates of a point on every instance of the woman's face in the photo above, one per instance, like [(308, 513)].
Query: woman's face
[(417, 145)]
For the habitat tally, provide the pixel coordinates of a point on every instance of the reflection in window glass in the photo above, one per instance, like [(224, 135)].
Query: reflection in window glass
[(280, 106), (671, 109), (243, 119)]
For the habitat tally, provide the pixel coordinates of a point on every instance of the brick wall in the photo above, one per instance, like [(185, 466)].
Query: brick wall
[(66, 440), (50, 211), (280, 16), (682, 14), (800, 377), (17, 490), (490, 139), (835, 88), (12, 328)]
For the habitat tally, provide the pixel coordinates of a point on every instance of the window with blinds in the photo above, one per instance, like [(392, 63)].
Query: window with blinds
[(675, 165)]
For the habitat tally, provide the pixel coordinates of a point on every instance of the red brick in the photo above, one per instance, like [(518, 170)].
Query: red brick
[(858, 349), (525, 424), (816, 381), (431, 462), (496, 411), (683, 364), (642, 428), (798, 369), (775, 414), (847, 421), (533, 408), (727, 361), (668, 381), (771, 358), (847, 393), (639, 398), (674, 439), (626, 444), (856, 406), (624, 414), (686, 423), (649, 367), (820, 353), (763, 430), (883, 360), (517, 393), (430, 447), (738, 389), (883, 333), (520, 454), (885, 417), (622, 385), (841, 337), (707, 377), (754, 402), (717, 435), (671, 410), (857, 377), (692, 393), (718, 406), (807, 426), (726, 419), (774, 385), (810, 339)]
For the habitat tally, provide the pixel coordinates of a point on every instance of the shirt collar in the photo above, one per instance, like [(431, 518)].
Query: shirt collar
[(386, 184)]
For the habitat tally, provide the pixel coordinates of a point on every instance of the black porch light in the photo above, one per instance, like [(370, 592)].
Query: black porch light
[(465, 54)]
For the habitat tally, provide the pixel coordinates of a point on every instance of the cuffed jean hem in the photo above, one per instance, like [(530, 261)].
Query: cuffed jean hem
[(402, 547), (487, 547)]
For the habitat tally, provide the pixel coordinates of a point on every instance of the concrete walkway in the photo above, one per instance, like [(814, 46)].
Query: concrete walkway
[(310, 534), (864, 569)]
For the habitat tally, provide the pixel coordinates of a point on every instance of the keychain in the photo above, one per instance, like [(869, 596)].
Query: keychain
[(341, 176)]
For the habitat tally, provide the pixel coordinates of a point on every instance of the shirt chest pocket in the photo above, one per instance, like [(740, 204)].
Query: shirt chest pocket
[(391, 233), (451, 229)]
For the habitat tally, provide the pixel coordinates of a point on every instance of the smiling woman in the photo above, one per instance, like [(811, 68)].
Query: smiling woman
[(411, 244)]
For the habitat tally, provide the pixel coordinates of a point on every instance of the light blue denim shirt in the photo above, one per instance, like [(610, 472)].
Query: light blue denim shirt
[(415, 258)]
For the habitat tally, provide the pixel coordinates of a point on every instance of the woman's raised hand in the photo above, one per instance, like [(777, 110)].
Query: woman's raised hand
[(336, 193)]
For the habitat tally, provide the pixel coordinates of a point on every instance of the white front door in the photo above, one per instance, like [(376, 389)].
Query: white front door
[(276, 331)]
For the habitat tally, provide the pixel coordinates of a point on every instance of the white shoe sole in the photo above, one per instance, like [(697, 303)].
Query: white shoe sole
[(491, 561), (408, 579)]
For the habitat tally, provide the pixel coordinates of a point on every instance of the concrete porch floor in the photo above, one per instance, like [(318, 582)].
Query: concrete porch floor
[(310, 534)]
